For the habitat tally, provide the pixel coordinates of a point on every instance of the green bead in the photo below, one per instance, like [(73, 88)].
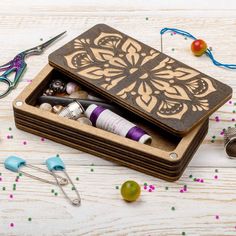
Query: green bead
[(77, 178), (173, 208), (29, 219), (130, 191)]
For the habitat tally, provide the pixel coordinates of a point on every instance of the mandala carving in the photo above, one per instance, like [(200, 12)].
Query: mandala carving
[(122, 66)]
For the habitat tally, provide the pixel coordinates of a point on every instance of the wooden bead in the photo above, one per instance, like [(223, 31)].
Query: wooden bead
[(84, 120), (45, 107), (198, 47), (79, 94), (57, 109)]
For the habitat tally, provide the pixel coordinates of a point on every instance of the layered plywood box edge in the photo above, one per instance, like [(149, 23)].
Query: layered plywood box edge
[(166, 158)]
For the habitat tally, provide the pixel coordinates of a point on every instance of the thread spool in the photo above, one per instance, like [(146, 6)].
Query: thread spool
[(107, 120), (72, 111)]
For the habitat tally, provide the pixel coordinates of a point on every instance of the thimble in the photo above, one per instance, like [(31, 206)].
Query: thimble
[(230, 142), (72, 111)]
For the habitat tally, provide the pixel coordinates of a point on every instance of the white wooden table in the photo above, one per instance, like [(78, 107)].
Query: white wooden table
[(207, 208)]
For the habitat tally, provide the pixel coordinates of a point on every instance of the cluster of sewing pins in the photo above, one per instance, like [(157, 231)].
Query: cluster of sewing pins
[(69, 100), (56, 168)]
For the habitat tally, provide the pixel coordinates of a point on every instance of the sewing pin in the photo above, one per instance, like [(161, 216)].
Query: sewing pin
[(14, 163), (55, 164)]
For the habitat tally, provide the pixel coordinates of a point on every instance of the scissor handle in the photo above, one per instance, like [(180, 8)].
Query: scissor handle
[(17, 66)]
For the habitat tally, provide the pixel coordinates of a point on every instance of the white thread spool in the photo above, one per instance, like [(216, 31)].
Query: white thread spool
[(107, 120)]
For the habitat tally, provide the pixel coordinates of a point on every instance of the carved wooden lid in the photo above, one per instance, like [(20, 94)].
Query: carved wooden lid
[(153, 85)]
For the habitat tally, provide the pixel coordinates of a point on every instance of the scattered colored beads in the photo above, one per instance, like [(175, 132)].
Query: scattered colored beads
[(55, 194), (42, 139), (12, 225), (213, 138), (29, 219), (216, 177), (3, 188), (146, 18), (52, 191), (149, 188), (173, 208), (24, 142), (117, 187), (11, 196), (166, 188), (183, 233), (91, 169), (217, 217), (77, 178), (9, 128)]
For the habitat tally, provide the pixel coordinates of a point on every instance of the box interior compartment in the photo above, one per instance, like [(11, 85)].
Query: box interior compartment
[(161, 139)]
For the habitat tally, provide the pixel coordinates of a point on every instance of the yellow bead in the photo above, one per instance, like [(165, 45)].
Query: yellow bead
[(130, 191)]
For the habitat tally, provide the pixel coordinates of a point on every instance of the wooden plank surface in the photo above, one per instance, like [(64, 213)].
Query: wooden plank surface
[(26, 23)]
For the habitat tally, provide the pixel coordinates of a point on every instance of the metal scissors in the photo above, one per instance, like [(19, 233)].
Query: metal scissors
[(17, 65)]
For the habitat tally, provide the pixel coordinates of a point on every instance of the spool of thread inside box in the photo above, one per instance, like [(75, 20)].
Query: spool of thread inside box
[(107, 120)]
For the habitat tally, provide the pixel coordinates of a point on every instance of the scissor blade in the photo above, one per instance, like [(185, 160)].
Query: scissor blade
[(39, 49), (50, 41)]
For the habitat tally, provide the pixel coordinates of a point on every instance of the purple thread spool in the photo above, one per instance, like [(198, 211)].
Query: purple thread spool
[(107, 120)]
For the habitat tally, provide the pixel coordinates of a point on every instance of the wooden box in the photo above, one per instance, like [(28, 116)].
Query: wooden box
[(168, 99)]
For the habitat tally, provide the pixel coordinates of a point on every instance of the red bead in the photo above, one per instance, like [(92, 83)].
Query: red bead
[(198, 47)]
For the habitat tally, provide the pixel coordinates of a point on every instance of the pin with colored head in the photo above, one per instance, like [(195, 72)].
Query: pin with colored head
[(15, 164)]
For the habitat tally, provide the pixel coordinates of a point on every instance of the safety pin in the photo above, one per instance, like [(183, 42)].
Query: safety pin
[(14, 163), (56, 164)]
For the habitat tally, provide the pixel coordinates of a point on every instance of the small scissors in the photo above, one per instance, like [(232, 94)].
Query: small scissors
[(18, 65)]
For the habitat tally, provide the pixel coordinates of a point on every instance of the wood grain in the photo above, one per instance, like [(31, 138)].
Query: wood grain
[(22, 24)]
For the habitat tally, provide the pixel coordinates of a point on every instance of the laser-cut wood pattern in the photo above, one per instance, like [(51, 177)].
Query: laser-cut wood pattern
[(159, 88)]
